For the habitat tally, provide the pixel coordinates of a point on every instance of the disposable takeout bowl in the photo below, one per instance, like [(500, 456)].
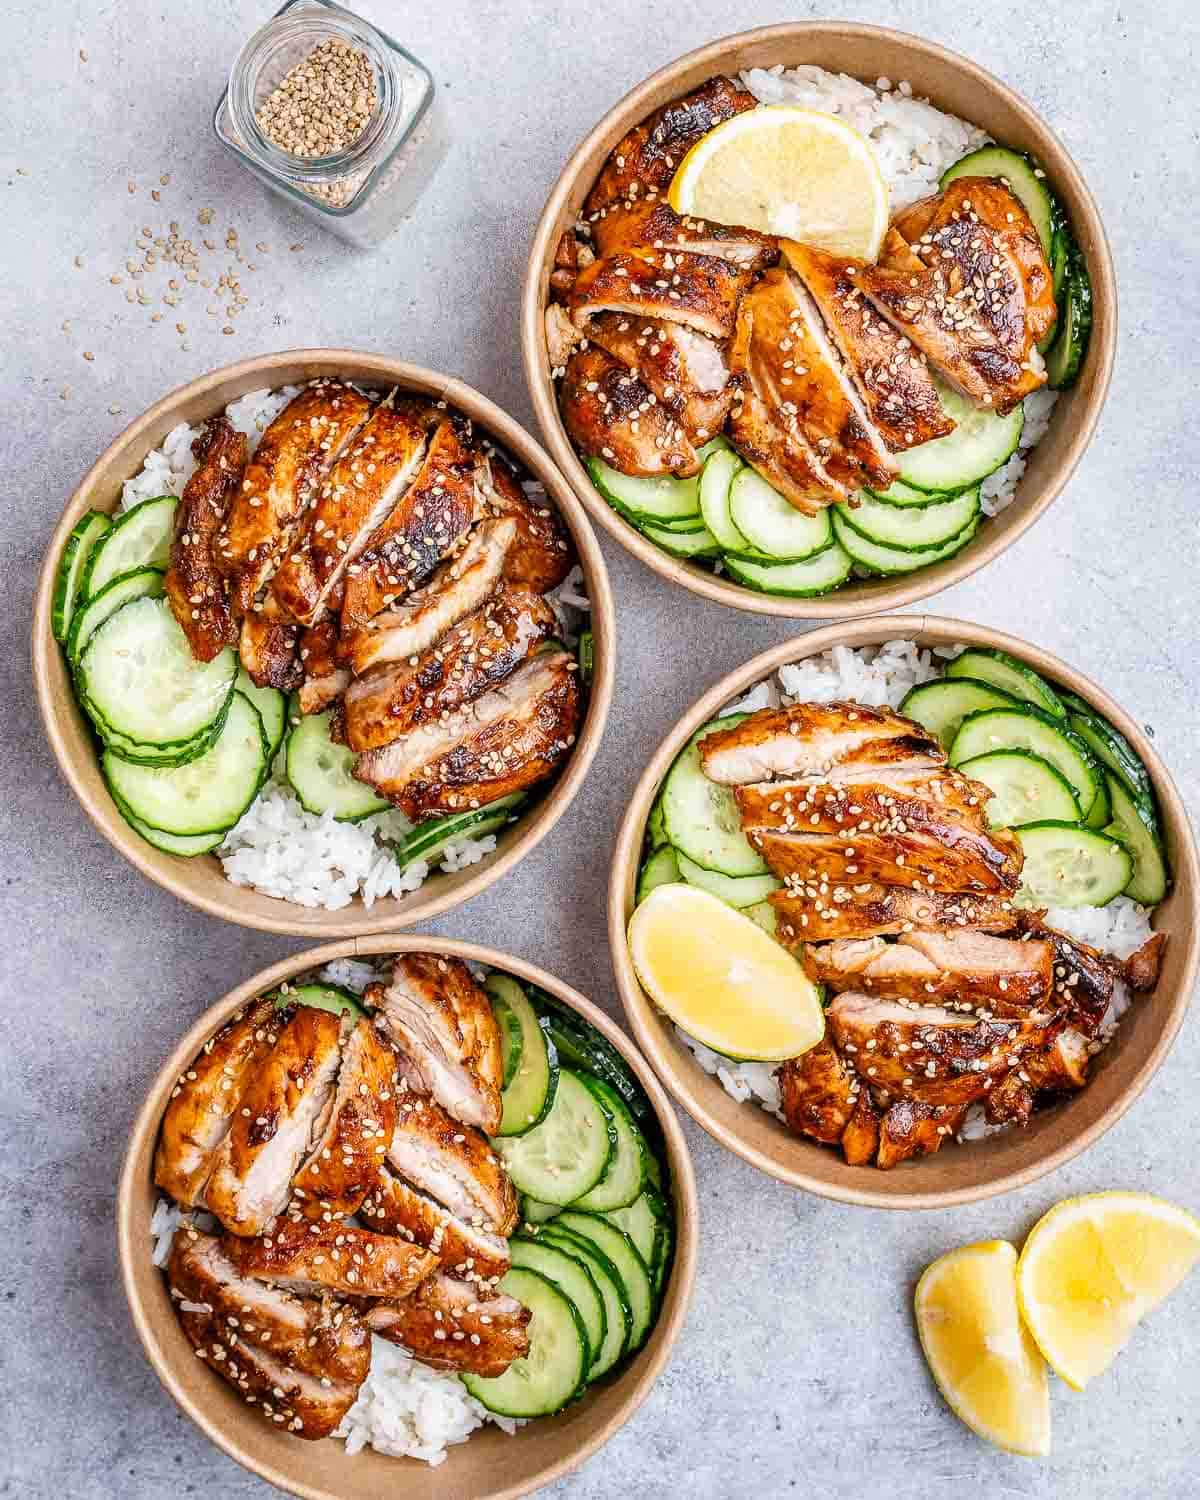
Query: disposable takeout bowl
[(980, 1168), (491, 1465), (954, 84), (200, 880)]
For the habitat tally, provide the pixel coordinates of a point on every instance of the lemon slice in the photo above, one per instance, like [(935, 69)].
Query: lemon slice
[(720, 977), (1093, 1267), (787, 171), (980, 1355)]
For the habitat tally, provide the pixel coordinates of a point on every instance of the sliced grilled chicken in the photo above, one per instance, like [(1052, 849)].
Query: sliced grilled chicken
[(427, 523), (1006, 976), (891, 375), (946, 857), (1012, 1100), (821, 913), (860, 1139), (810, 739), (1142, 968), (324, 679), (700, 291), (395, 1207), (929, 1053), (611, 415), (505, 742), (197, 591), (323, 1338), (1058, 1068), (542, 552), (650, 228), (457, 589), (346, 1156), (769, 441), (453, 1163), (255, 1162), (303, 1255), (269, 648), (443, 1021), (926, 798), (482, 650), (206, 1098), (280, 482), (359, 493), (685, 371), (562, 337), (450, 1325), (644, 161), (1083, 976), (817, 1093), (911, 1127)]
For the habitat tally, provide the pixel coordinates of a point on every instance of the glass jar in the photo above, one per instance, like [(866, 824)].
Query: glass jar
[(362, 190)]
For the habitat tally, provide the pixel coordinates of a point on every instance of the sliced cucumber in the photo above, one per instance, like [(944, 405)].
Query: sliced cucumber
[(321, 773), (84, 536), (1111, 748), (1028, 728), (138, 677), (571, 1275), (153, 755), (272, 706), (1066, 354), (170, 843), (662, 868), (1060, 260), (568, 1153), (889, 560), (1066, 865), (617, 1315), (644, 1221), (701, 817), (634, 1272), (899, 493), (330, 997), (660, 500), (982, 440), (535, 1212), (1100, 813), (581, 1046), (912, 528), (511, 1039), (587, 657), (942, 706), (656, 831), (809, 579), (1010, 675), (763, 915), (429, 841), (1021, 174), (208, 794), (771, 525), (625, 1174), (716, 480), (736, 890), (528, 1095), (92, 612), (697, 543), (1138, 832), (1025, 789), (546, 1378), (140, 538)]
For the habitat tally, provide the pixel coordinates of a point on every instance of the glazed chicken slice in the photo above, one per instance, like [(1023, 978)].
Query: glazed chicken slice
[(347, 1154), (650, 228), (268, 646), (396, 1207), (359, 493), (686, 372), (891, 375), (322, 1337), (325, 680), (1006, 976), (929, 1053), (819, 912), (206, 1098), (442, 1020), (453, 1163), (475, 655), (457, 589), (810, 739), (507, 741), (1058, 1068), (817, 1093), (305, 1256), (860, 1139), (255, 1162), (918, 798), (611, 415), (197, 591), (911, 1127), (700, 291), (799, 374), (426, 525), (450, 1325), (772, 445), (1083, 976), (542, 553), (644, 161), (281, 481), (946, 857)]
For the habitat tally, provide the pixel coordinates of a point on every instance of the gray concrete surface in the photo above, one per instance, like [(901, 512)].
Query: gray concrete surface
[(798, 1369)]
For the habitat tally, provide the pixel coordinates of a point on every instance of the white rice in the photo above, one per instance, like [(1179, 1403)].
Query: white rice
[(882, 676), (913, 143), (278, 848)]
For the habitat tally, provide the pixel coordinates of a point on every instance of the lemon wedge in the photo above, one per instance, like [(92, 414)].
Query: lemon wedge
[(1093, 1267), (980, 1355), (791, 172), (720, 978)]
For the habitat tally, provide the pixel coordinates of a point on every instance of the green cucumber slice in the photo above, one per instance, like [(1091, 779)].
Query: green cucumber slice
[(1138, 832), (321, 773), (587, 657), (982, 440), (545, 1379), (92, 612), (738, 890), (534, 1212), (912, 528), (1028, 728), (1100, 813), (168, 755), (511, 1040), (886, 561), (771, 525), (568, 1153), (77, 550), (1111, 748), (1025, 789), (581, 1046), (330, 997), (1010, 675), (656, 831), (429, 841), (899, 493), (617, 1315), (139, 538), (634, 1272), (1066, 354), (942, 706), (663, 499), (701, 817), (765, 916), (809, 579), (662, 868), (571, 1275), (1021, 174), (716, 480), (170, 843), (272, 709), (625, 1174), (697, 543), (644, 1221), (1066, 865), (528, 1095)]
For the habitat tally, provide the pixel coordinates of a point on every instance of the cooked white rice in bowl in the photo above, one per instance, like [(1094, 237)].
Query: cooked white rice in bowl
[(277, 847), (882, 676)]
